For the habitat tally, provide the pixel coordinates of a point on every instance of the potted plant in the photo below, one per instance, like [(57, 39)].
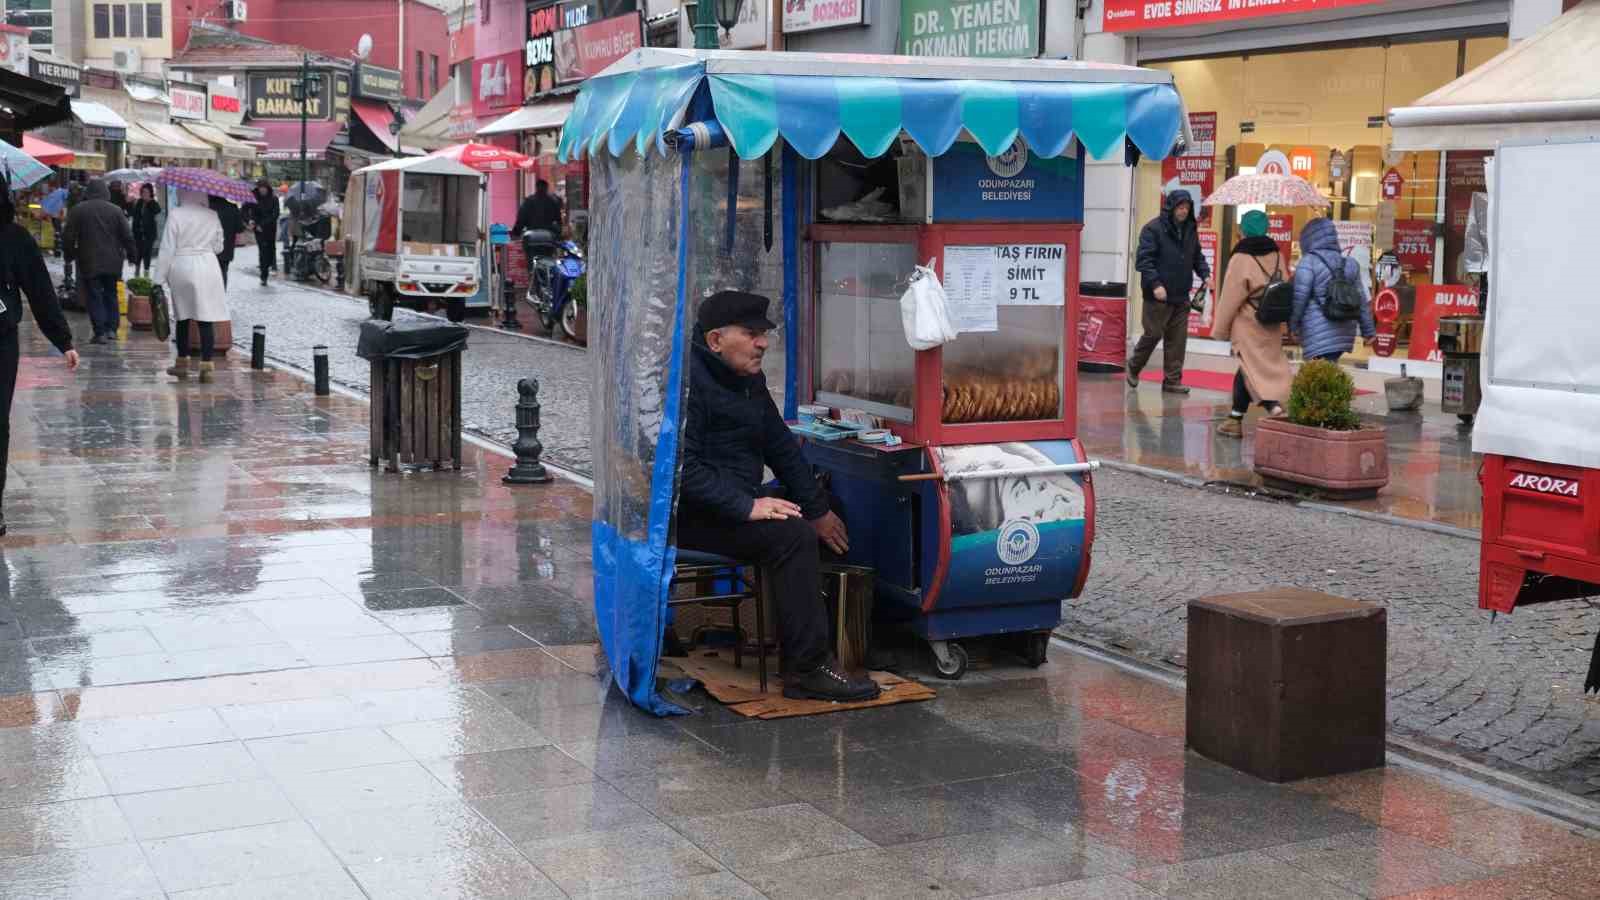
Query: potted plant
[(139, 311), (1322, 443), (578, 296)]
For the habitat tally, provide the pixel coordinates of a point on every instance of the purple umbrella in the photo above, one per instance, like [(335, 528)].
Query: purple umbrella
[(206, 181)]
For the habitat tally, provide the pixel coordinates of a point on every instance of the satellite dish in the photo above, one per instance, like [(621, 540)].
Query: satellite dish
[(364, 47)]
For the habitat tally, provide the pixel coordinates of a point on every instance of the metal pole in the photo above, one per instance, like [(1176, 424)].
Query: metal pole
[(258, 347), (705, 26), (319, 369), (305, 103)]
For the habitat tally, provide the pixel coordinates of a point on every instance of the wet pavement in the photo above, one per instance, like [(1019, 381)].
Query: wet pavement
[(239, 663)]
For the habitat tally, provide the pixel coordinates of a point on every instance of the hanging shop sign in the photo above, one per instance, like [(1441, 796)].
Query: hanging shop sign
[(993, 28), (1195, 171), (57, 72), (1392, 184), (539, 53), (275, 95), (1413, 244), (1144, 15), (1200, 322), (494, 85), (816, 15), (223, 105), (584, 52), (341, 95), (378, 83), (1016, 186), (187, 103), (1303, 162), (1434, 302), (14, 49)]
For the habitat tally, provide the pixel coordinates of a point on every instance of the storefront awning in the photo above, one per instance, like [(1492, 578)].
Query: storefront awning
[(810, 99), (216, 137), (1543, 86), (96, 115), (377, 117), (84, 161), (163, 140), (46, 152), (540, 117), (283, 139)]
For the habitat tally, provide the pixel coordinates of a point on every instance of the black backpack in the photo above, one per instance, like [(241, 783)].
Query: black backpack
[(1273, 301), (1345, 297)]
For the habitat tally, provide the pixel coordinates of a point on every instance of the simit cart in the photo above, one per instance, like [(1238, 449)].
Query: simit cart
[(825, 180)]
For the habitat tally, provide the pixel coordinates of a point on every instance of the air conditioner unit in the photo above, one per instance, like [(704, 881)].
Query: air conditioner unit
[(128, 60), (234, 10)]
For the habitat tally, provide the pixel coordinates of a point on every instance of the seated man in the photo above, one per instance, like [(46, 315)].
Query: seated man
[(733, 430)]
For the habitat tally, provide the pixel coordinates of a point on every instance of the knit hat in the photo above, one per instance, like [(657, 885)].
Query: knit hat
[(1254, 223)]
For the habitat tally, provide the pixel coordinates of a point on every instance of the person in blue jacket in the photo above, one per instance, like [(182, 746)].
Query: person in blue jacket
[(1321, 338)]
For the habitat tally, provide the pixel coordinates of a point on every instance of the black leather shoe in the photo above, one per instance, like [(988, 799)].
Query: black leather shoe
[(829, 682)]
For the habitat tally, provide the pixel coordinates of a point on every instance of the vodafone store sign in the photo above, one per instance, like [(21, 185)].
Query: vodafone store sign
[(1144, 15)]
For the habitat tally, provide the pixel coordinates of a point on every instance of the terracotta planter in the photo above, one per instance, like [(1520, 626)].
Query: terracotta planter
[(1342, 463), (581, 325), (222, 331), (140, 314)]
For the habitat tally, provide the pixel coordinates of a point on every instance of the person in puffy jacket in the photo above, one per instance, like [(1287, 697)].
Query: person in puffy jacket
[(1168, 260), (1321, 338)]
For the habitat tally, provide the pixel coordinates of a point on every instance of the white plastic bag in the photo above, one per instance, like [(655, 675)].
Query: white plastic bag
[(923, 311)]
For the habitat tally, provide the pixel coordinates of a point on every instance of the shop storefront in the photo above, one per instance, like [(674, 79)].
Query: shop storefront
[(274, 106), (1268, 91), (374, 125)]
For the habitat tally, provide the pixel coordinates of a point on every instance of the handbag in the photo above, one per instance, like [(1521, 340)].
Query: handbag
[(160, 316), (1273, 301)]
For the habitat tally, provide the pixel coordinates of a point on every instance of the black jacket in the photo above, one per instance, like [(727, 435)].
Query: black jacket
[(264, 214), (228, 215), (22, 272), (144, 215), (539, 213), (97, 234), (733, 430), (1169, 254)]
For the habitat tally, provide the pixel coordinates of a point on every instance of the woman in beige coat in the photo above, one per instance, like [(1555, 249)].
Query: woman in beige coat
[(1263, 374)]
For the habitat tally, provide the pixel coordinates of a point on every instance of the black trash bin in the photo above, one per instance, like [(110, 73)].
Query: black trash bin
[(416, 392)]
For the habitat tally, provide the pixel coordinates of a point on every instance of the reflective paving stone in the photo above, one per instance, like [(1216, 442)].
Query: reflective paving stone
[(371, 836), (474, 732), (214, 807), (51, 780), (642, 854), (854, 875), (372, 648), (720, 886), (1107, 887), (745, 840), (367, 787), (327, 750), (1241, 876), (218, 858), (175, 767), (562, 811), (1378, 863), (68, 825), (508, 771), (473, 873), (117, 872), (998, 861), (173, 729), (324, 885)]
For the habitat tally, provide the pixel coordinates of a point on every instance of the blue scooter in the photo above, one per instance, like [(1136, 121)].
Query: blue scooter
[(553, 266)]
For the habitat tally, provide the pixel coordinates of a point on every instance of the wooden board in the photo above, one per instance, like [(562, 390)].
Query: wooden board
[(738, 688)]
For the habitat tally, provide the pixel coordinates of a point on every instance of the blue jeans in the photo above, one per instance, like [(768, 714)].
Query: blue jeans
[(103, 314)]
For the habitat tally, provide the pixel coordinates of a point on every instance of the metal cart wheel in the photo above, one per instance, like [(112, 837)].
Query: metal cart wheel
[(1035, 647), (323, 269), (949, 659), (1466, 419)]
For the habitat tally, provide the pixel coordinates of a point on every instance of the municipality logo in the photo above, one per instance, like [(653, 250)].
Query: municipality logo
[(1017, 543), (1010, 163)]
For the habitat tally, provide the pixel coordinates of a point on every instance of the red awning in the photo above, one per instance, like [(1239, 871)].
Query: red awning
[(283, 138), (377, 116), (46, 152)]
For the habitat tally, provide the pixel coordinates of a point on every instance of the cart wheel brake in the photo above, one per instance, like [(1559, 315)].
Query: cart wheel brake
[(949, 659)]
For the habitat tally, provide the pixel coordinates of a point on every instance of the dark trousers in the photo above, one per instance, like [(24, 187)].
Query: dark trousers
[(144, 250), (1241, 395), (1167, 325), (103, 313), (224, 262), (789, 555), (8, 387), (208, 338), (266, 252), (1329, 357)]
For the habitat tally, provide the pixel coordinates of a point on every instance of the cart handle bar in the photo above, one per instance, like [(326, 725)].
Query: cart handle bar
[(1062, 469)]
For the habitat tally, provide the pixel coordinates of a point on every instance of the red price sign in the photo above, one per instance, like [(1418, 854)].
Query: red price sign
[(1413, 244), (1386, 307), (1200, 322), (1435, 301), (1384, 342), (1392, 184)]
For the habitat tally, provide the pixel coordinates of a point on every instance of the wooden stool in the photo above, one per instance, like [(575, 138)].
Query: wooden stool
[(1287, 684)]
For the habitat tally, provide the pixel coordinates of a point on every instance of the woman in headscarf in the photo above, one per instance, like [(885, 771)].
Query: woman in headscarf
[(188, 266), (1263, 374), (22, 272)]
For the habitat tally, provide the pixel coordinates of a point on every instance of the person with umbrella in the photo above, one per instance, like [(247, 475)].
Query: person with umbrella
[(22, 273), (188, 266), (263, 213)]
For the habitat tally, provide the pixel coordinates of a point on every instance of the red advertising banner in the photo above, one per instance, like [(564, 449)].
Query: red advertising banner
[(1413, 244), (583, 52), (1200, 322), (1434, 302), (496, 83), (1196, 170), (1280, 227), (1392, 184), (1142, 15)]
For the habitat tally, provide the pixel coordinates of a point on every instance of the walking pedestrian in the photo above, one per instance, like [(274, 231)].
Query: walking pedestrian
[(188, 266), (1322, 337), (54, 206), (98, 237), (228, 215), (263, 215), (1168, 260), (146, 213), (22, 273), (1263, 374)]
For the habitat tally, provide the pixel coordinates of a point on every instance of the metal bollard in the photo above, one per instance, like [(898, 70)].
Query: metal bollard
[(258, 347), (509, 293), (319, 362), (528, 469)]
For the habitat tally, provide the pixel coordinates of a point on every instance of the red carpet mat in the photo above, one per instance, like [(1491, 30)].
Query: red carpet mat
[(1205, 380)]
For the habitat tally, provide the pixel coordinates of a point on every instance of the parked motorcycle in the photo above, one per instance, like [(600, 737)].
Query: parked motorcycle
[(307, 258), (553, 265)]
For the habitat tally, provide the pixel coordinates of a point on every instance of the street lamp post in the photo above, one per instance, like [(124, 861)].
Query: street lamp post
[(708, 14), (309, 86)]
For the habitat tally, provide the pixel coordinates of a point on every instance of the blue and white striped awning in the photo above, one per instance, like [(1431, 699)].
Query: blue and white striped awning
[(810, 99)]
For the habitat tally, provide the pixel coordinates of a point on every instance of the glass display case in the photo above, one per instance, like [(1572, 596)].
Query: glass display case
[(862, 358)]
